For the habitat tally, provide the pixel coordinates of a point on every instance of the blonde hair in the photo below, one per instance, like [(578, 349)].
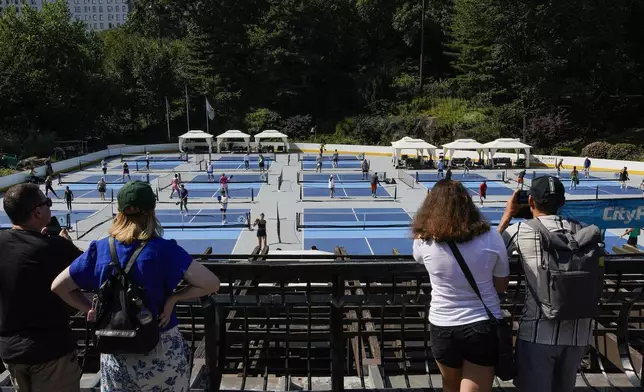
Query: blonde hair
[(141, 227)]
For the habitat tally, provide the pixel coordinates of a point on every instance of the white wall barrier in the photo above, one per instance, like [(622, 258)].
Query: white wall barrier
[(75, 163)]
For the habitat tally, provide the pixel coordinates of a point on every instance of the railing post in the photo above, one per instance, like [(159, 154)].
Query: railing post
[(215, 339), (338, 344)]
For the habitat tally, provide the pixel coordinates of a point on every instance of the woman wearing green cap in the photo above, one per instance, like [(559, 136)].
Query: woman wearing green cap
[(158, 269)]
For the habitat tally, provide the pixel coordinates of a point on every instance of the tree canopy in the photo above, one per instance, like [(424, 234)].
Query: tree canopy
[(558, 74)]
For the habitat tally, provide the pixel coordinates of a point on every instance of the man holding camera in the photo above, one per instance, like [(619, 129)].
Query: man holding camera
[(561, 261), (36, 344)]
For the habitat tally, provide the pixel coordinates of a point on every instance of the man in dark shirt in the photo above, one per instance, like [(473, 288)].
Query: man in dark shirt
[(374, 184), (35, 339)]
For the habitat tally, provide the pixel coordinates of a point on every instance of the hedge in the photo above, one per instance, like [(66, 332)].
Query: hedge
[(597, 150)]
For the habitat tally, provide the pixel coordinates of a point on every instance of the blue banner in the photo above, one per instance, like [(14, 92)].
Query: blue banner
[(606, 214)]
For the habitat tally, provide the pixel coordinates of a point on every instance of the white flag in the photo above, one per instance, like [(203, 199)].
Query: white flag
[(210, 110)]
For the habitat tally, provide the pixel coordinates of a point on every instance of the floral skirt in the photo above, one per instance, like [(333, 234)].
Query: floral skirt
[(164, 369)]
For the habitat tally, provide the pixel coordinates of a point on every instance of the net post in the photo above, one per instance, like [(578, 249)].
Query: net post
[(395, 193), (112, 192), (288, 160), (157, 193), (503, 176), (80, 165), (417, 178), (147, 177), (252, 195), (301, 191), (279, 225), (76, 230), (301, 165), (68, 225), (137, 165), (597, 192)]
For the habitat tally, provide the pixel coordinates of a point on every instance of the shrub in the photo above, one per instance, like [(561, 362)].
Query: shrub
[(596, 150), (297, 127), (624, 152), (564, 152), (262, 119)]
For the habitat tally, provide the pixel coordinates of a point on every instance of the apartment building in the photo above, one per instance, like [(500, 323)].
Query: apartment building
[(96, 14)]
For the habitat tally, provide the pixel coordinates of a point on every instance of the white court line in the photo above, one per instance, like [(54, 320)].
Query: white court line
[(369, 245)]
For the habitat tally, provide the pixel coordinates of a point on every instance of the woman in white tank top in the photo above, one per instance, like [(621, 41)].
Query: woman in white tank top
[(464, 342)]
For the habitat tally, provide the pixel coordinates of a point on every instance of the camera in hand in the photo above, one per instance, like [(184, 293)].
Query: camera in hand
[(54, 228), (524, 206)]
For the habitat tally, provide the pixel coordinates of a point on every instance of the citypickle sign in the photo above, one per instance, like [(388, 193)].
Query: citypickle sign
[(607, 214)]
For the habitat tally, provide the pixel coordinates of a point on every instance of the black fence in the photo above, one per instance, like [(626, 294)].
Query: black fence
[(343, 322)]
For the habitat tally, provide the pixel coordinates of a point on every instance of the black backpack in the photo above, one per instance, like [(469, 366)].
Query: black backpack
[(118, 328)]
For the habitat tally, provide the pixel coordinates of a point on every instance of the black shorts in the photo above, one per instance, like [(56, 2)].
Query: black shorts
[(475, 343), (261, 232), (632, 241)]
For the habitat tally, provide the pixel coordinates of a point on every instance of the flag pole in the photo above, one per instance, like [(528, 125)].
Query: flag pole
[(207, 115), (187, 108), (167, 115)]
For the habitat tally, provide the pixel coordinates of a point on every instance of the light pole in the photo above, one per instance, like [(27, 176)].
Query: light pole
[(422, 45)]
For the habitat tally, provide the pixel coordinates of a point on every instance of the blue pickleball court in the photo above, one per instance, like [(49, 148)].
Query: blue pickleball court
[(338, 177), (191, 230), (74, 216), (361, 189), (212, 190), (350, 228), (432, 176), (601, 187), (232, 178), (328, 164), (494, 188)]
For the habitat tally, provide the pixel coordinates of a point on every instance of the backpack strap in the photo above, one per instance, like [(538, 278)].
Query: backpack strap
[(468, 275), (115, 260)]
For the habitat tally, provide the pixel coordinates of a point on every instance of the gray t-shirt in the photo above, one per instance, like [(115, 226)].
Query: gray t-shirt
[(374, 179)]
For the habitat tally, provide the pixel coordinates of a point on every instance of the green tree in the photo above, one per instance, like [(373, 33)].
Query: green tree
[(50, 80)]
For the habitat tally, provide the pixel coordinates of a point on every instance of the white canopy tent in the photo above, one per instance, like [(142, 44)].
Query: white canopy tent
[(508, 144), (463, 145), (232, 134), (195, 135), (272, 134), (408, 143)]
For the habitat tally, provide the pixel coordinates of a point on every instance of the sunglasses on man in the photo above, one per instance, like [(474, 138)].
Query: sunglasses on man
[(47, 202)]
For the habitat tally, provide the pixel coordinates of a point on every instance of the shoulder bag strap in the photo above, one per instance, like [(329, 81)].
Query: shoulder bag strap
[(135, 256), (115, 260), (469, 277)]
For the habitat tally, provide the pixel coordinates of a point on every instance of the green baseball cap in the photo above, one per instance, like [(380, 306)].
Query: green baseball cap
[(137, 194)]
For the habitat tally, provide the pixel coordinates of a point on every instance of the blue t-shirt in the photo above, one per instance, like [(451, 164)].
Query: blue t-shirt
[(158, 269)]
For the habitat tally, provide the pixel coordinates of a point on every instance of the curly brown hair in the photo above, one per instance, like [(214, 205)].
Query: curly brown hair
[(448, 214)]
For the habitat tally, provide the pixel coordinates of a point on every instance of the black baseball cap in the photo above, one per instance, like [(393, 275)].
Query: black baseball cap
[(547, 188)]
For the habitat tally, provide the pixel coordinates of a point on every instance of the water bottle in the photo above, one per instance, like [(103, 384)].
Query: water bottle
[(145, 316)]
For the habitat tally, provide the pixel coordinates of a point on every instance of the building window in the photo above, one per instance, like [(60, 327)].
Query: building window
[(124, 17), (125, 8), (110, 16), (118, 8), (118, 17), (77, 8), (93, 8), (118, 24), (109, 8), (102, 26), (96, 25), (100, 8), (94, 17), (100, 17)]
